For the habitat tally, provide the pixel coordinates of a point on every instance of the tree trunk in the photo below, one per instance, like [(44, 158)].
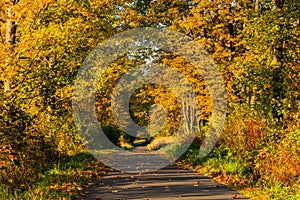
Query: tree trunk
[(10, 42), (278, 90)]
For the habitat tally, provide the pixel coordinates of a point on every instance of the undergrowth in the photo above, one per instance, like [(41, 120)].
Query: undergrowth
[(64, 179), (230, 169)]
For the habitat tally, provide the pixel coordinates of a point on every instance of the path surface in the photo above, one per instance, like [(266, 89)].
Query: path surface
[(170, 183)]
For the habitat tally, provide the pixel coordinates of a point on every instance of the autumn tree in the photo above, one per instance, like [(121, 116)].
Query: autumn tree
[(43, 43)]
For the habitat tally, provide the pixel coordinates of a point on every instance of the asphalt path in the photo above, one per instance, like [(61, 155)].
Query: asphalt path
[(170, 183)]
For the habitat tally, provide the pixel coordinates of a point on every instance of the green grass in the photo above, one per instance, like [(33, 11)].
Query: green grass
[(126, 145), (62, 180), (229, 170), (275, 191)]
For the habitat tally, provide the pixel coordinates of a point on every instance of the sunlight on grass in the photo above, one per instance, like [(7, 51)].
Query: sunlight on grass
[(158, 143), (65, 179)]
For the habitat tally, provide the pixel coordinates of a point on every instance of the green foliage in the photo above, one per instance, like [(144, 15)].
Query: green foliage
[(255, 45), (42, 45)]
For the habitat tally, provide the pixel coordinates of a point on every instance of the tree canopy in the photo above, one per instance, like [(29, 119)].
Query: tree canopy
[(254, 44)]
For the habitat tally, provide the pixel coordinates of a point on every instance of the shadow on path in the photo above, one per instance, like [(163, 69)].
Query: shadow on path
[(170, 183)]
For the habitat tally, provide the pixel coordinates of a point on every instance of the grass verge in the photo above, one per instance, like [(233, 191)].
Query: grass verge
[(227, 169), (64, 180)]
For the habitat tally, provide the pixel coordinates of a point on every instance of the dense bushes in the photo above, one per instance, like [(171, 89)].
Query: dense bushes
[(270, 151), (254, 152)]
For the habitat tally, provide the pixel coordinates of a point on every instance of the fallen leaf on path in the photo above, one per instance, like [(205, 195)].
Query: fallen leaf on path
[(196, 183)]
